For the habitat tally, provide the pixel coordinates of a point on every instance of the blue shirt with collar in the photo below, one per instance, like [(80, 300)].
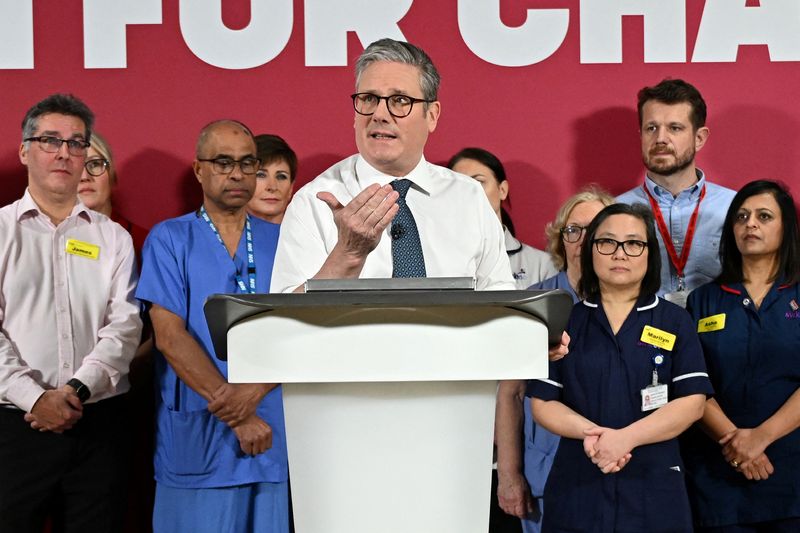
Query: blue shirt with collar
[(703, 263), (183, 264), (601, 379), (754, 364)]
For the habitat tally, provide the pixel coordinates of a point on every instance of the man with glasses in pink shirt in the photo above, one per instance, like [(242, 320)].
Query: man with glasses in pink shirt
[(69, 327)]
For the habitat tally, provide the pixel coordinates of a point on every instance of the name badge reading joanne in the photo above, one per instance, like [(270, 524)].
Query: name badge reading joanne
[(658, 338), (83, 249), (711, 323)]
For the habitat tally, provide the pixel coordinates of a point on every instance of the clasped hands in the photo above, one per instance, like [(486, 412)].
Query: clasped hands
[(744, 450), (609, 449), (235, 404)]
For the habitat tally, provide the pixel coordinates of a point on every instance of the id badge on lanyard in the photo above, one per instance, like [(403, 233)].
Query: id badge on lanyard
[(678, 262)]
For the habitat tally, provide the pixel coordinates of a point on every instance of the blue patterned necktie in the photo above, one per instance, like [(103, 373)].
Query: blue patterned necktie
[(407, 258)]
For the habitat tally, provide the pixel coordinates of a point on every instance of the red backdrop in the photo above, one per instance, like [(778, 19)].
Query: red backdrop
[(556, 124)]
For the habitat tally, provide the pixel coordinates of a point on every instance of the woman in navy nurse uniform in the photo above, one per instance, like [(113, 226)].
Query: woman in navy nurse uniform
[(743, 469), (633, 380)]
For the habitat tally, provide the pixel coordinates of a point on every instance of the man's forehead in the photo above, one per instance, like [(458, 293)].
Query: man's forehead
[(670, 110), (400, 77), (57, 123), (229, 139)]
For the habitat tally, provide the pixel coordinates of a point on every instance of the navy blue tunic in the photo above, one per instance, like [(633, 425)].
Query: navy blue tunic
[(601, 379), (754, 364)]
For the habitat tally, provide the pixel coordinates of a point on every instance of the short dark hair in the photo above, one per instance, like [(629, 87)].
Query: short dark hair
[(271, 148), (63, 104), (589, 284), (789, 253), (402, 52), (676, 91)]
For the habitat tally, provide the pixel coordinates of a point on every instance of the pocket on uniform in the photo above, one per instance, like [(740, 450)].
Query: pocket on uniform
[(195, 441), (666, 500)]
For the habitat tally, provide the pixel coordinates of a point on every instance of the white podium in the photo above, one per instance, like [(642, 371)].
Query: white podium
[(389, 397)]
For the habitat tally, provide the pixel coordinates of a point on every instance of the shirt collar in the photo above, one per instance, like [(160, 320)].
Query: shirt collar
[(693, 190), (513, 246), (648, 301), (420, 176), (28, 208)]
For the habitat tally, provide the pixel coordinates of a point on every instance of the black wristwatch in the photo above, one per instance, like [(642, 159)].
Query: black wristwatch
[(81, 390)]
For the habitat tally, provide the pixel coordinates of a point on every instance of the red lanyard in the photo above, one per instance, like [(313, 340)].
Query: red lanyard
[(678, 262)]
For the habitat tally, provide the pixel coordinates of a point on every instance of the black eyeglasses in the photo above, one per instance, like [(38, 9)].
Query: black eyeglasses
[(225, 165), (632, 248), (49, 144), (572, 233), (96, 167), (398, 105)]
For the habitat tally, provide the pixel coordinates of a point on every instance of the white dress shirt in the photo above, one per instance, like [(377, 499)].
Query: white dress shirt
[(459, 232), (62, 314)]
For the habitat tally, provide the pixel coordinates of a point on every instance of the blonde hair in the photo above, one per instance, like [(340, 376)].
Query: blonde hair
[(100, 145), (555, 245)]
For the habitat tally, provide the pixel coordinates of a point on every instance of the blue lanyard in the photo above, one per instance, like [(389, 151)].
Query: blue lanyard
[(251, 264)]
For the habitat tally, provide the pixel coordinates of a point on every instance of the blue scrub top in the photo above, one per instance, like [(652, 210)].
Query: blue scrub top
[(540, 444), (601, 379), (183, 264), (754, 364)]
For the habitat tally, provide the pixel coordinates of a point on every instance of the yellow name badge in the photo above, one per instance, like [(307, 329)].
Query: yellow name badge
[(711, 323), (83, 249), (658, 338)]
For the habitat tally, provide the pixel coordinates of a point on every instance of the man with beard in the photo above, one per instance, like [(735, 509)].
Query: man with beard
[(688, 209)]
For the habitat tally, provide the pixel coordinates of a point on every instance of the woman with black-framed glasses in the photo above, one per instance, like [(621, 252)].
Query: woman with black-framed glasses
[(633, 381), (97, 183)]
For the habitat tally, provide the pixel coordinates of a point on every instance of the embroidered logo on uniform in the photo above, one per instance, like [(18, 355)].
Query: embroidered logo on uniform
[(794, 305), (521, 274), (792, 314)]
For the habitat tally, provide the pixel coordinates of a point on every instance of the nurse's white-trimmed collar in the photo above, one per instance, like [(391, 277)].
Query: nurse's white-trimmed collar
[(645, 307), (419, 175)]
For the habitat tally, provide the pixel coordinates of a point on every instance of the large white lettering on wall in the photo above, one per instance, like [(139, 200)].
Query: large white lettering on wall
[(664, 30), (16, 34), (726, 25), (494, 42), (105, 24), (216, 44), (327, 23)]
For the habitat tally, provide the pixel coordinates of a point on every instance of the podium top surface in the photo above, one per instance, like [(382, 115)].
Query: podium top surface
[(223, 311)]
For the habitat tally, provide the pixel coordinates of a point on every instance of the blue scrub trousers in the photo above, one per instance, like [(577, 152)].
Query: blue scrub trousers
[(252, 508)]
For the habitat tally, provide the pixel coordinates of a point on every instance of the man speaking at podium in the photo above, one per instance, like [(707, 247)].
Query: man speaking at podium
[(386, 212)]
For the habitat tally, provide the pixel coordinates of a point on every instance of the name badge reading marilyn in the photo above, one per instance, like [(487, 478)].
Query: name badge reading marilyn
[(658, 338), (711, 323), (83, 249)]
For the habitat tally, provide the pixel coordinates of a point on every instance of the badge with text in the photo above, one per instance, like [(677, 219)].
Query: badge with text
[(711, 323), (83, 249), (654, 397), (658, 338)]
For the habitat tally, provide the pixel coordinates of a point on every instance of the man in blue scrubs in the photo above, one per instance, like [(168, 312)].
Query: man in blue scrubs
[(220, 461), (689, 210)]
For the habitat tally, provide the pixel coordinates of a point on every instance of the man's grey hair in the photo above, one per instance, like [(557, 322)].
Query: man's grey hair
[(62, 104), (402, 52), (210, 127)]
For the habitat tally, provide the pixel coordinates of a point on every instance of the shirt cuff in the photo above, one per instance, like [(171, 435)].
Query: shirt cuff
[(24, 393)]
